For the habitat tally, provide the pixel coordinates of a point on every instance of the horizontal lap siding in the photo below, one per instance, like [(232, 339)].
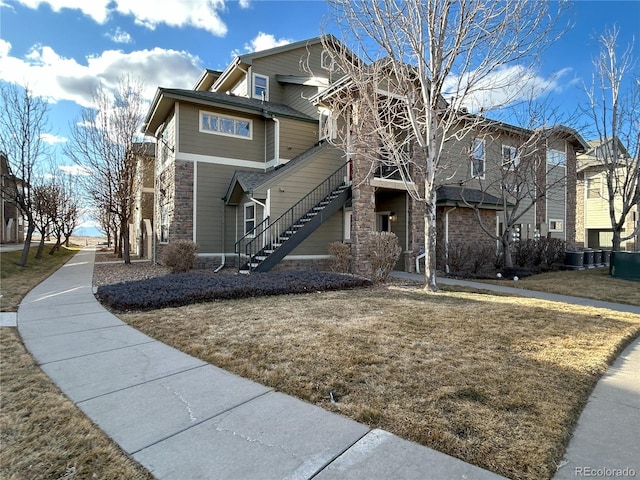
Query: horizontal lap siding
[(195, 142), (298, 184), (556, 193), (297, 97), (288, 63), (213, 181), (296, 137)]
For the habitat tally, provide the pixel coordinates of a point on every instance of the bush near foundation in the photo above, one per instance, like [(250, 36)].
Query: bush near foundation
[(384, 252), (180, 256), (179, 289), (340, 257)]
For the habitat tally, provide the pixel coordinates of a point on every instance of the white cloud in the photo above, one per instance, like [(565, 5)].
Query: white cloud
[(58, 78), (265, 41), (119, 36), (201, 14), (501, 87), (51, 139), (75, 170)]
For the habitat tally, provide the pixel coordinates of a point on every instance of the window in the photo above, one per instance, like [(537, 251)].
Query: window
[(594, 186), (556, 225), (326, 61), (510, 158), (225, 125), (477, 161), (164, 223), (249, 217), (328, 125), (556, 157), (260, 87)]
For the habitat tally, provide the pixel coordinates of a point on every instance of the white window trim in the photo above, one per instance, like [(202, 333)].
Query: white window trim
[(164, 215), (483, 158), (246, 219), (253, 86), (514, 158), (327, 61), (558, 220), (228, 117), (348, 215)]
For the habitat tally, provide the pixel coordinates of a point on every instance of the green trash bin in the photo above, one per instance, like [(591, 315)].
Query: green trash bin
[(625, 265)]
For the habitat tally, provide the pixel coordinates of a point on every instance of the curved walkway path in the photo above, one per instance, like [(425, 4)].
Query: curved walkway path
[(182, 418)]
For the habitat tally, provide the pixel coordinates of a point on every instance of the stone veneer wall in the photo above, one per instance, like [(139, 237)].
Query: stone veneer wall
[(464, 229), (571, 205), (179, 196)]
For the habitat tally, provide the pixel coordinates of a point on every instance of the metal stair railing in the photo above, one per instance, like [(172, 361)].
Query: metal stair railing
[(268, 236)]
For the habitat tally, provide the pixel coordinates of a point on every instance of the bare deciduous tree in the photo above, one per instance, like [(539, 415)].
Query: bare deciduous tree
[(613, 109), (23, 121), (425, 65), (104, 142)]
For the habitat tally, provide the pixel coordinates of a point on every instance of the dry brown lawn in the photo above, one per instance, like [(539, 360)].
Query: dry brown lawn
[(43, 435), (594, 283), (494, 380)]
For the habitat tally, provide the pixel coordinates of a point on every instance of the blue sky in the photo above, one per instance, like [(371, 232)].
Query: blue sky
[(62, 47)]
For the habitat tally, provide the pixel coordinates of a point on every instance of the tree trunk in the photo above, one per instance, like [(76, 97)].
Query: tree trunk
[(430, 236), (27, 244), (616, 241), (56, 247), (126, 251), (40, 245), (506, 252)]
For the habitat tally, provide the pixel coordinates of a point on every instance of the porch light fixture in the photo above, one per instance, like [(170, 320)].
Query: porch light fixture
[(393, 217)]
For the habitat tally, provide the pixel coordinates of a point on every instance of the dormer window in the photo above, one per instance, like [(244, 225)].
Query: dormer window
[(260, 87)]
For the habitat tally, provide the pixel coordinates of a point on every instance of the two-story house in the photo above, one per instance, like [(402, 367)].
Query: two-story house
[(244, 169), (11, 220), (593, 222)]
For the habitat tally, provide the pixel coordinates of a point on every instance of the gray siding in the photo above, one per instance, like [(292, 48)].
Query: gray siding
[(193, 141), (556, 193)]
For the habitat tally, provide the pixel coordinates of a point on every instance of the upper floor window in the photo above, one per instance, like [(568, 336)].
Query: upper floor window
[(594, 187), (478, 158), (510, 158), (327, 61), (225, 125), (556, 157), (260, 87)]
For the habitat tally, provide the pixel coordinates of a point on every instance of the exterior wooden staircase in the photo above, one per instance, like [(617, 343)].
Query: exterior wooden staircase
[(270, 241)]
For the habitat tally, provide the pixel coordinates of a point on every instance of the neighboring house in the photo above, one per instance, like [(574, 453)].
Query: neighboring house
[(141, 233), (593, 223), (242, 165), (12, 221)]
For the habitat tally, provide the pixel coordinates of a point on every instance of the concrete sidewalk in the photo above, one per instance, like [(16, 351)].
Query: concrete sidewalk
[(606, 441), (184, 419)]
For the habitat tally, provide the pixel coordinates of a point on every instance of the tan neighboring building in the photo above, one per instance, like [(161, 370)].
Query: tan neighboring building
[(11, 221), (593, 224)]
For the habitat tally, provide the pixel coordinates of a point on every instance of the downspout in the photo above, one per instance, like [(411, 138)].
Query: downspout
[(446, 238), (276, 140), (224, 256)]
